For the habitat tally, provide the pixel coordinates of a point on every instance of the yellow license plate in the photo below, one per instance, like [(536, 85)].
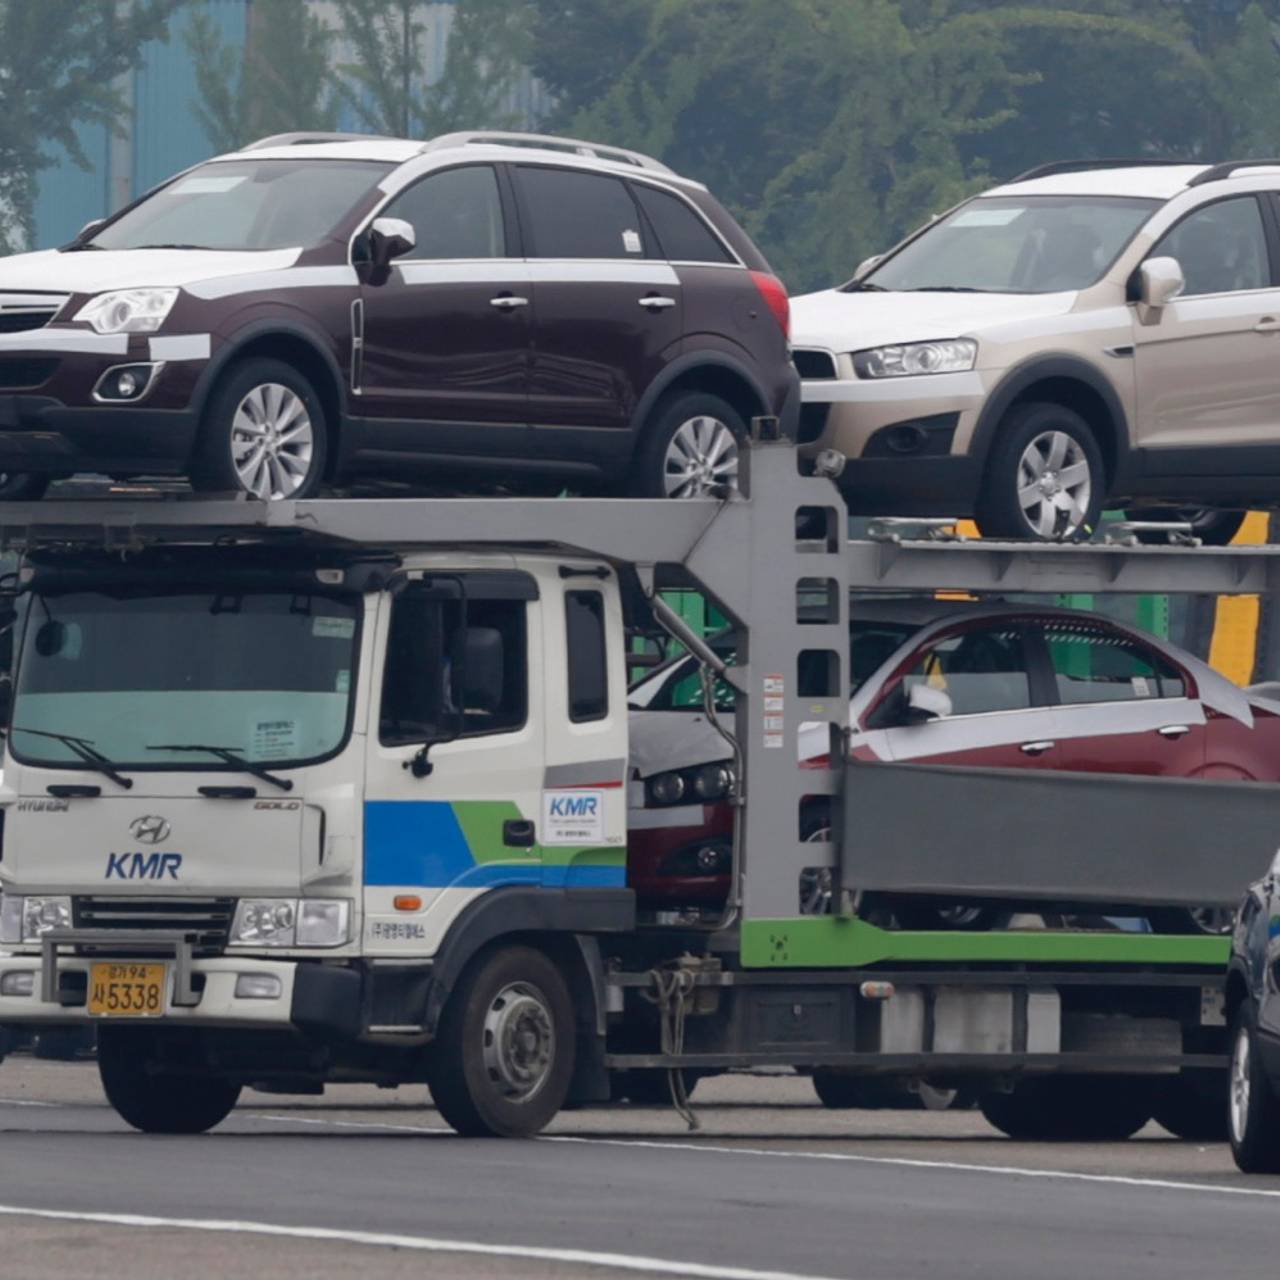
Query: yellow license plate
[(124, 989)]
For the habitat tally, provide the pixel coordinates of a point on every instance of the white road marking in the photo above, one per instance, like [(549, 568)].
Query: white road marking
[(348, 1124), (426, 1244)]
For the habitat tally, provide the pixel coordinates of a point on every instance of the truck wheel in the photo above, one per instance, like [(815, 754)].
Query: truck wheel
[(959, 918), (1044, 479), (690, 448), (505, 1047), (1193, 1105), (154, 1097), (263, 433), (1253, 1111), (21, 486), (1071, 1108)]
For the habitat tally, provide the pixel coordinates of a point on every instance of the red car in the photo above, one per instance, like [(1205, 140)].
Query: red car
[(990, 685)]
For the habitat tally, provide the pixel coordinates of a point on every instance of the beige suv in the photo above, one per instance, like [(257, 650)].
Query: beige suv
[(1086, 335)]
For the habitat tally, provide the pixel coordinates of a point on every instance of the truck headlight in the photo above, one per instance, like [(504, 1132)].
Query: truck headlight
[(290, 922), (911, 359), (128, 310), (29, 919)]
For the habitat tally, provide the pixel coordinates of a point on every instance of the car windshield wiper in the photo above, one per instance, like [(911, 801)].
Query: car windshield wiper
[(172, 246), (231, 756), (84, 748), (864, 286), (946, 288), (81, 248)]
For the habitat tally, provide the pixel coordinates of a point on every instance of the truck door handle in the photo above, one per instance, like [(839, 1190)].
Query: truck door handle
[(508, 302), (656, 302), (1174, 730), (518, 833), (1037, 748), (1268, 324)]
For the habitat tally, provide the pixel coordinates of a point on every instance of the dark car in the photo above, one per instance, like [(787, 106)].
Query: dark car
[(1253, 1008), (528, 310), (946, 682)]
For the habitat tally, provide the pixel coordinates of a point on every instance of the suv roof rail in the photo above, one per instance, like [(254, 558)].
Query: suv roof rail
[(1215, 173), (1082, 166), (551, 141), (311, 139)]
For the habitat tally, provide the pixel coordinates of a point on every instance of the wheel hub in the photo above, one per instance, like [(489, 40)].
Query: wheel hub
[(519, 1041), (701, 459)]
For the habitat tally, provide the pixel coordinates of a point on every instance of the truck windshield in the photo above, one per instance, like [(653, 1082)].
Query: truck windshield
[(262, 675), (1003, 244), (244, 205)]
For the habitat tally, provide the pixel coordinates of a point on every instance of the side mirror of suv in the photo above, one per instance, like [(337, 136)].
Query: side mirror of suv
[(390, 238), (1160, 281), (925, 703), (868, 264)]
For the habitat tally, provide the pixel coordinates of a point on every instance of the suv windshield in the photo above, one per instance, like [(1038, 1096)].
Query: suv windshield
[(264, 675), (1007, 244), (245, 204)]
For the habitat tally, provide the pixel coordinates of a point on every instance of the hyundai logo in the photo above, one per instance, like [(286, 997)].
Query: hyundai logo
[(149, 829)]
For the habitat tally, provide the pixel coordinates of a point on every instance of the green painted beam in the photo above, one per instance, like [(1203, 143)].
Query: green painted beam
[(829, 942)]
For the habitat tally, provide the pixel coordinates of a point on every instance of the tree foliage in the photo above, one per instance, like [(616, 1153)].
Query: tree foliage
[(59, 64)]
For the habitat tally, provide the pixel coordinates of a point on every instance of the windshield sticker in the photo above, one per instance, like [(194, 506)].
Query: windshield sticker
[(631, 242), (987, 217), (1141, 686), (343, 682), (274, 740), (572, 817), (333, 628), (208, 185)]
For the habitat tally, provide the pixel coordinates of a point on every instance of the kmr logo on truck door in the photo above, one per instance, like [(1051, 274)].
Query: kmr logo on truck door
[(573, 817)]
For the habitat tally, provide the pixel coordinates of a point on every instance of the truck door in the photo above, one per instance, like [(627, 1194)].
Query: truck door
[(455, 758)]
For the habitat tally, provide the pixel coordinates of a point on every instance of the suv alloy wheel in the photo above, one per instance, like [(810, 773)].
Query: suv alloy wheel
[(691, 449)]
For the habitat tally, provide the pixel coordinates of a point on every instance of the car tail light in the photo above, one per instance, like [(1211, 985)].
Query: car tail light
[(774, 292)]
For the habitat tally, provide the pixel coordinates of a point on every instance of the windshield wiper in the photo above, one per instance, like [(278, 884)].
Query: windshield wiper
[(230, 756), (864, 286), (946, 288), (81, 248), (84, 748), (172, 246)]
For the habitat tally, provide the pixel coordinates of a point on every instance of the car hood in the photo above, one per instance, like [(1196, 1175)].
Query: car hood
[(663, 740), (96, 271), (836, 321)]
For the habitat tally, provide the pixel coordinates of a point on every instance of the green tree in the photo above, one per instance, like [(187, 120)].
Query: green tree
[(384, 80), (281, 80), (59, 63)]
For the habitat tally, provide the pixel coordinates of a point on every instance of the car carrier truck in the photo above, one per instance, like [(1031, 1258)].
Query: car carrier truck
[(336, 790)]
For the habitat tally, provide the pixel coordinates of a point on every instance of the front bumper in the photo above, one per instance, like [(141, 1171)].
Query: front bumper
[(314, 997), (51, 422)]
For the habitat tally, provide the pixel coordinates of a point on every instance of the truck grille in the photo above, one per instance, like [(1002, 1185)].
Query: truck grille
[(208, 918), (22, 311)]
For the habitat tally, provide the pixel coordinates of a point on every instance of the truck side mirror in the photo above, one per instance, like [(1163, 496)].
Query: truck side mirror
[(477, 678), (1160, 281)]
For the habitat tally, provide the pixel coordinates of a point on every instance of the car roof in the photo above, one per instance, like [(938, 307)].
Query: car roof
[(1153, 182)]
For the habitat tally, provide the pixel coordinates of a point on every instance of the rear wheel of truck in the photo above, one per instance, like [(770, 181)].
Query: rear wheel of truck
[(154, 1096), (1253, 1110), (1071, 1108), (505, 1048)]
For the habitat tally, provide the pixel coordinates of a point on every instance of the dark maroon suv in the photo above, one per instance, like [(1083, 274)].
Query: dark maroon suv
[(483, 308)]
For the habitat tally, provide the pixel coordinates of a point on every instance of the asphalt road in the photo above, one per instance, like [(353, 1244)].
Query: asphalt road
[(368, 1183)]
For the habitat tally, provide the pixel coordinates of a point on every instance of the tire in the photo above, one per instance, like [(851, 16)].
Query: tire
[(705, 432), (1214, 528), (1193, 1105), (960, 918), (1071, 1108), (153, 1096), (649, 1087), (1253, 1110), (1031, 435), (262, 399), (1212, 922), (22, 486), (484, 1086)]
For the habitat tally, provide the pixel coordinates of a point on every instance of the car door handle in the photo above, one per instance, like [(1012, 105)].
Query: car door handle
[(1174, 730), (656, 302), (508, 302), (1037, 748), (1268, 324)]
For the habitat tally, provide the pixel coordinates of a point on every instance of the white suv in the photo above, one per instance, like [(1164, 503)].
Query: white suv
[(1089, 334)]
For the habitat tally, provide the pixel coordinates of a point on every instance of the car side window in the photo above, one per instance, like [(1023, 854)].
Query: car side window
[(682, 234), (980, 670), (1094, 664), (1221, 248), (578, 215), (454, 214)]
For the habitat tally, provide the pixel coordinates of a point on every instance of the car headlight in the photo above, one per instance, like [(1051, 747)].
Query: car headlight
[(700, 785), (29, 919), (910, 359), (128, 310), (290, 922)]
